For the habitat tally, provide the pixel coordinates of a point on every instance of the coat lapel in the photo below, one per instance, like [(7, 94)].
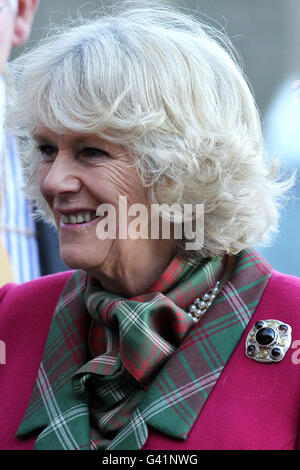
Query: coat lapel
[(65, 352)]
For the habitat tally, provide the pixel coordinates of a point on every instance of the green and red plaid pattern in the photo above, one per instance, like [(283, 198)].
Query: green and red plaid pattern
[(147, 362)]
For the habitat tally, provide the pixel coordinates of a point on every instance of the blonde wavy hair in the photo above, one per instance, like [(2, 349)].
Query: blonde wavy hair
[(170, 90)]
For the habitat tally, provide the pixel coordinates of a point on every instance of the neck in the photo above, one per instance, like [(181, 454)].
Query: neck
[(133, 275)]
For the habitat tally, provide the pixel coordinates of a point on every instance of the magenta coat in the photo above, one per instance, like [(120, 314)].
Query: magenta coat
[(252, 406)]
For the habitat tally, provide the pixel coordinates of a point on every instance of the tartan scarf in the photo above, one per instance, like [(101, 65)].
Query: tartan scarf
[(139, 352)]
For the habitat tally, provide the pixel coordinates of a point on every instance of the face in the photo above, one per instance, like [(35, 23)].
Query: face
[(77, 173), (7, 24)]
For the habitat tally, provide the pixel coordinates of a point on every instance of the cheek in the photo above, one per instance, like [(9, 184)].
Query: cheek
[(118, 181), (104, 184)]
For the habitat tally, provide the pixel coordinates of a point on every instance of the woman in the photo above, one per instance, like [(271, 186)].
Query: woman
[(143, 345)]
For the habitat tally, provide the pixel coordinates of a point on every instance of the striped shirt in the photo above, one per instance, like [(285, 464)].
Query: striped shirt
[(17, 225)]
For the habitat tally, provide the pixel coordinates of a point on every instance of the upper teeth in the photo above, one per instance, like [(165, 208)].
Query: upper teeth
[(78, 218)]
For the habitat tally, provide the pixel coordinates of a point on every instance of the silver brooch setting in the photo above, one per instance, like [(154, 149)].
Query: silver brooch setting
[(268, 341), (199, 307)]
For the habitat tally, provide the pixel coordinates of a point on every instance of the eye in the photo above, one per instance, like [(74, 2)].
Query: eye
[(48, 152), (91, 152)]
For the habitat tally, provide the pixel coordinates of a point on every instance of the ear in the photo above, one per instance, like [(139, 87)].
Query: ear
[(23, 21)]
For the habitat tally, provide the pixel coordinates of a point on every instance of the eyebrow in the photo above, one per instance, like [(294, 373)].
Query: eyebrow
[(81, 140), (40, 137)]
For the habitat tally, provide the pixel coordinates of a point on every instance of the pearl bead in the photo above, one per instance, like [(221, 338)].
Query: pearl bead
[(199, 313), (192, 308), (199, 307)]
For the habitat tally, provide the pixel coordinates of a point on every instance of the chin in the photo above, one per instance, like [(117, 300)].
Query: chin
[(76, 261), (85, 255)]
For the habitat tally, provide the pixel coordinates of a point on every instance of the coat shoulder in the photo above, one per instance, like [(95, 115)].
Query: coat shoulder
[(41, 294), (281, 299), (285, 285)]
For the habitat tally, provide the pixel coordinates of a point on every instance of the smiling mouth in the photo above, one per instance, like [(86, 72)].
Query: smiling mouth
[(81, 218)]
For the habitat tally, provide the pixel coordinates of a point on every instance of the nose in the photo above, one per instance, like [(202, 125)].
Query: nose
[(61, 176)]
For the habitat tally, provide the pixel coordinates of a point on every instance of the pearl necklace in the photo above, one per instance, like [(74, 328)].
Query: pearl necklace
[(199, 307)]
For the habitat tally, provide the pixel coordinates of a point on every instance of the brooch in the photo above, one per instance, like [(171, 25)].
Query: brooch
[(268, 341)]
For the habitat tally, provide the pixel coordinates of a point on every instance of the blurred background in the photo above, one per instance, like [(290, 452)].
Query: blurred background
[(266, 34)]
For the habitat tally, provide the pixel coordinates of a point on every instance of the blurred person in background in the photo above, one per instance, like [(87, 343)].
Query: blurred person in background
[(19, 249), (148, 344), (24, 245)]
